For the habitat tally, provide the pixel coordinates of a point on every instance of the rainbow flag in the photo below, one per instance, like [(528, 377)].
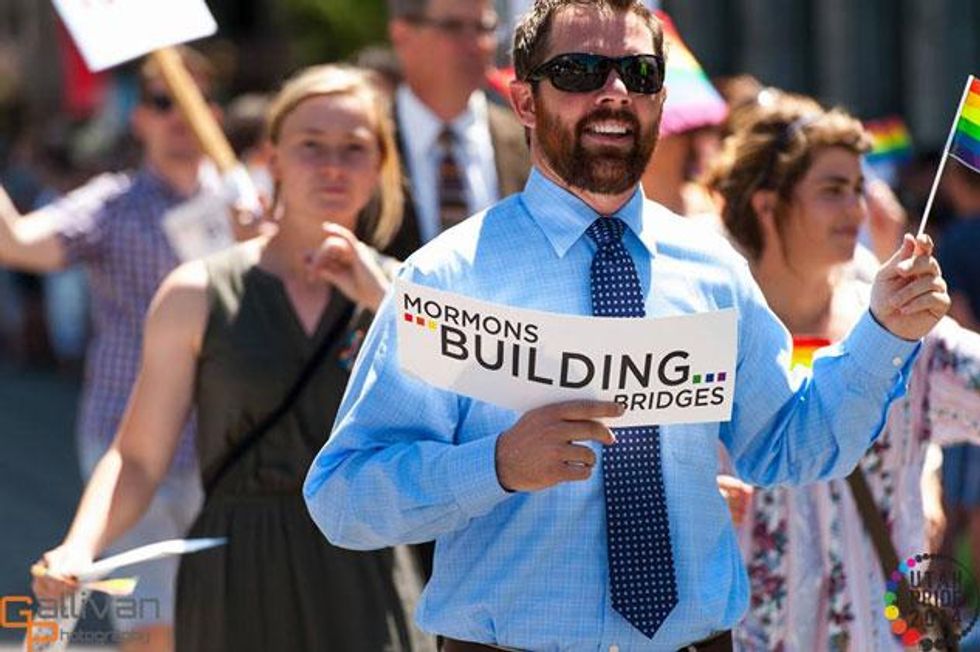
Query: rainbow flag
[(890, 140), (692, 101), (966, 140), (891, 147), (804, 348)]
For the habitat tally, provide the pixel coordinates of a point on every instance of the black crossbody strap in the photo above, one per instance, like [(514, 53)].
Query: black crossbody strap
[(877, 529), (255, 434)]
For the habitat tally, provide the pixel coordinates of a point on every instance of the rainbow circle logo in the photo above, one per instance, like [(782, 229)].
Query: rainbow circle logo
[(938, 584)]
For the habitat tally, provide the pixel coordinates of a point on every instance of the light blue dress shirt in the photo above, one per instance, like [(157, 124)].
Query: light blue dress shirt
[(409, 463)]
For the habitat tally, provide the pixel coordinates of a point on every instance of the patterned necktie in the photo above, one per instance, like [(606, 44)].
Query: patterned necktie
[(453, 207), (641, 562)]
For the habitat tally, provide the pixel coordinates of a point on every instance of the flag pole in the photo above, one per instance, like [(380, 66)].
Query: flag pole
[(942, 161)]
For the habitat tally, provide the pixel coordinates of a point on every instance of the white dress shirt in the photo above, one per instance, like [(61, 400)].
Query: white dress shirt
[(420, 130)]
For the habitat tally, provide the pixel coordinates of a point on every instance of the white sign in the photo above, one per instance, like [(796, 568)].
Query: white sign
[(669, 370), (109, 32), (199, 227)]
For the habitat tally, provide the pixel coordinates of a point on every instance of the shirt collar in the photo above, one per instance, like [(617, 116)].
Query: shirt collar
[(426, 125), (564, 217), (151, 181)]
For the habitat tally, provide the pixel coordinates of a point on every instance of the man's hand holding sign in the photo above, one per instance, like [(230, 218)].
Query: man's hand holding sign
[(541, 449)]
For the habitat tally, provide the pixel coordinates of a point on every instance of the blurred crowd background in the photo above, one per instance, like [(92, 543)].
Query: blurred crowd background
[(888, 62)]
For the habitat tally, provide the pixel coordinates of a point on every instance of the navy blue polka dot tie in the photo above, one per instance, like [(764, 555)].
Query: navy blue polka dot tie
[(641, 562)]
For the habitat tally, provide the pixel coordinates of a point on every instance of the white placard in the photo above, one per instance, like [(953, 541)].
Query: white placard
[(109, 32), (668, 370), (199, 227)]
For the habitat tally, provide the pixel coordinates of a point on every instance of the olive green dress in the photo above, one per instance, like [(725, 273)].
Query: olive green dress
[(278, 584)]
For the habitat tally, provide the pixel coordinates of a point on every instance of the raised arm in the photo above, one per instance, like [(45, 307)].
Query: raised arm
[(29, 243), (128, 475)]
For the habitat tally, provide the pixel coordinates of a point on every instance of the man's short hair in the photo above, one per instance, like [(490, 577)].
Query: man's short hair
[(407, 8), (532, 32), (199, 66)]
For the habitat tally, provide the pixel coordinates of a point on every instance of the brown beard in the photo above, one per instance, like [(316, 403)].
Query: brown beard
[(603, 171)]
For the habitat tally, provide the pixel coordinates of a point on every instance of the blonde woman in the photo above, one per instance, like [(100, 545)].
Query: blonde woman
[(228, 337), (794, 201)]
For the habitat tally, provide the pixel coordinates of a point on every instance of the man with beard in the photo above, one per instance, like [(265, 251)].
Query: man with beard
[(529, 553)]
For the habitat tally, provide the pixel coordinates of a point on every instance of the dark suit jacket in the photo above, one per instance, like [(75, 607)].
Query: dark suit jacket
[(513, 166)]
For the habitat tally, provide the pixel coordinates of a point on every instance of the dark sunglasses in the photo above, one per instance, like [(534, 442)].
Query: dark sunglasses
[(163, 103), (457, 27), (580, 72), (159, 102)]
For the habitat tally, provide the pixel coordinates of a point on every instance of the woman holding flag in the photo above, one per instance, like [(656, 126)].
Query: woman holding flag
[(258, 340), (794, 201)]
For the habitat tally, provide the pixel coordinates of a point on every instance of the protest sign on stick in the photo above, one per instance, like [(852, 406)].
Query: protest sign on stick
[(110, 32)]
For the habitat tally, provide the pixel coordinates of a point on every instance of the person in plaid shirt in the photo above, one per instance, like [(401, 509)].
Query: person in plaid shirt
[(112, 227)]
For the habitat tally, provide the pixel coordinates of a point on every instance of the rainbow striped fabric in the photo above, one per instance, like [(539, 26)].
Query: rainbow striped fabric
[(891, 147), (804, 348), (890, 140), (966, 140), (692, 101)]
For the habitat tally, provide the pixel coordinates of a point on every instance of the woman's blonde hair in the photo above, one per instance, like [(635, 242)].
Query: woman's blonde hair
[(772, 149), (380, 219)]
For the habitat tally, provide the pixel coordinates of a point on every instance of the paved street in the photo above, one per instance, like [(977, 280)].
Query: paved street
[(39, 480)]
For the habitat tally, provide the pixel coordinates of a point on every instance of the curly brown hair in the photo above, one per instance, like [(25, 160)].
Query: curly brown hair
[(772, 149)]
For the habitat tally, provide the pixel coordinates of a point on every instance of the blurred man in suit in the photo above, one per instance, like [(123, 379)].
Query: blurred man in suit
[(461, 152)]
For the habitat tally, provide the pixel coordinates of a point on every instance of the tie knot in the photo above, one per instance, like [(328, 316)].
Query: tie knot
[(447, 137), (606, 230)]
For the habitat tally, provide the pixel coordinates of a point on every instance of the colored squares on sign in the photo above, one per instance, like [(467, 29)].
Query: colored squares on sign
[(409, 318), (420, 321), (432, 325), (719, 377)]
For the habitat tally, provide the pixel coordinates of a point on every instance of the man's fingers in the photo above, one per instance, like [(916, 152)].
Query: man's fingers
[(573, 472), (935, 303), (918, 266), (578, 454), (570, 431), (583, 410), (906, 250), (920, 286), (924, 245)]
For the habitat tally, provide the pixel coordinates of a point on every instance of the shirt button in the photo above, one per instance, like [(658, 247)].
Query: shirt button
[(897, 361), (613, 648)]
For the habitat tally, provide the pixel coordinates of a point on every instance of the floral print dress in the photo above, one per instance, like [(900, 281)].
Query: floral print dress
[(815, 576)]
